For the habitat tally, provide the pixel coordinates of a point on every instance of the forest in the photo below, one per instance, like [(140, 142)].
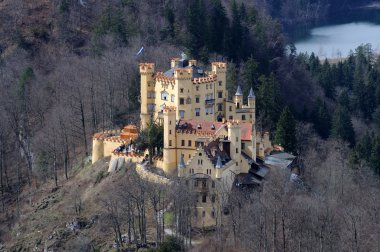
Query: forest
[(69, 69)]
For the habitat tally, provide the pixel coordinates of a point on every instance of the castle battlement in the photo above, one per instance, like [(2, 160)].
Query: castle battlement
[(169, 108), (207, 79)]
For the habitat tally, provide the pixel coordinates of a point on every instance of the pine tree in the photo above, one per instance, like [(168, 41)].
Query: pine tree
[(218, 25), (375, 156), (235, 33), (321, 119), (197, 28), (250, 75), (342, 126), (286, 131)]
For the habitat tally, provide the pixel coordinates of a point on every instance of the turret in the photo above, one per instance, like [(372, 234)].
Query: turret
[(181, 167), (218, 167), (97, 149), (234, 135), (251, 99), (238, 97), (147, 85), (252, 104), (170, 143)]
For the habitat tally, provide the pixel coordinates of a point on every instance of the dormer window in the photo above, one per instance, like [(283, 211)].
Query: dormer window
[(199, 126), (213, 127)]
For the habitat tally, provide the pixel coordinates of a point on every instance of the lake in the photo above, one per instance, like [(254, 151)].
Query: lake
[(337, 36)]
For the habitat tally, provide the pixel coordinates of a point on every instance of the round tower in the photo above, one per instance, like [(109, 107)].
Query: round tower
[(181, 167), (147, 85), (234, 135), (218, 167), (239, 98), (252, 104), (170, 143), (97, 149)]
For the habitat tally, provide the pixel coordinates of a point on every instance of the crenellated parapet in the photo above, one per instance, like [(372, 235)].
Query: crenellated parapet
[(206, 79), (183, 73), (219, 67), (147, 68)]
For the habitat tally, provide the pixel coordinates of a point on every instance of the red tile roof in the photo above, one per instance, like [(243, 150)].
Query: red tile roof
[(206, 127)]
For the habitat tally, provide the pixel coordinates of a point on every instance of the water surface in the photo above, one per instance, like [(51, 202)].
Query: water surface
[(337, 41)]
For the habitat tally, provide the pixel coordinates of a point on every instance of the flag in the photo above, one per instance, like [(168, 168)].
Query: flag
[(141, 51)]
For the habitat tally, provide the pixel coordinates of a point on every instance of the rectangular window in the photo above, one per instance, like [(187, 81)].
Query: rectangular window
[(213, 198), (220, 107), (203, 213), (204, 198), (197, 112), (181, 101), (197, 99), (230, 117), (243, 117), (170, 132), (220, 94), (206, 111), (182, 113), (237, 139), (204, 184), (189, 143), (211, 110), (154, 94), (220, 83), (181, 90), (182, 142), (230, 108), (237, 150), (243, 146), (164, 96), (170, 142), (197, 88), (149, 94)]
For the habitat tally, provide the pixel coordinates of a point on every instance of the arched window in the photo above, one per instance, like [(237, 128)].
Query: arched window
[(188, 100)]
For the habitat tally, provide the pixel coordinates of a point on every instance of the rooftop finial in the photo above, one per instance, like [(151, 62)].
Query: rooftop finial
[(251, 94), (238, 91)]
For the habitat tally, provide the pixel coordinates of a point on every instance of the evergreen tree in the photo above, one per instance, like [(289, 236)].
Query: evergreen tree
[(268, 100), (250, 75), (286, 131), (375, 156), (342, 126), (197, 28), (321, 119), (364, 147), (234, 45), (218, 25)]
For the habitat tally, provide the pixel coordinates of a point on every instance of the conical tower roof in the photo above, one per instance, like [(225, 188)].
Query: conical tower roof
[(238, 91), (182, 163), (219, 163), (251, 94)]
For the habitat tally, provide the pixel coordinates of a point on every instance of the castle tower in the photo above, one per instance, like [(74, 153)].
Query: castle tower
[(97, 149), (234, 135), (238, 98), (218, 167), (147, 85), (220, 70), (252, 104), (182, 78), (170, 143), (181, 167)]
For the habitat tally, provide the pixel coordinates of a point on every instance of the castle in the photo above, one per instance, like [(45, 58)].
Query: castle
[(209, 140)]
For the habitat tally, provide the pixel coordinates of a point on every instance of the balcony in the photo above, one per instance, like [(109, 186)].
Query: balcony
[(210, 102)]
